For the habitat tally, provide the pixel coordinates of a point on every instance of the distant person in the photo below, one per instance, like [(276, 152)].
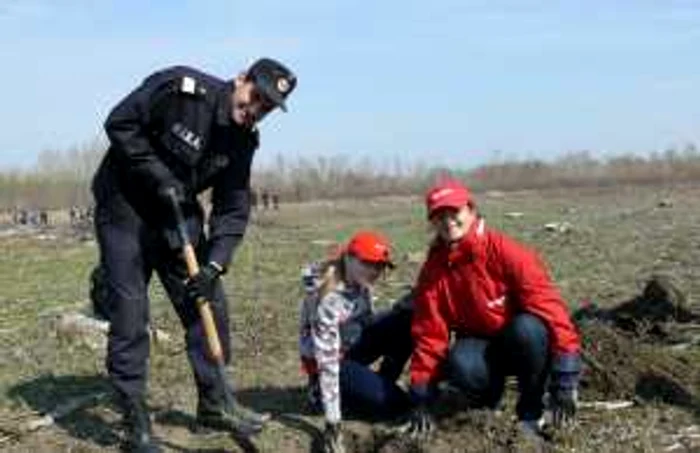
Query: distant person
[(90, 213), (74, 215), (276, 201), (508, 318), (254, 199), (341, 336), (180, 132), (266, 200), (34, 217), (43, 218)]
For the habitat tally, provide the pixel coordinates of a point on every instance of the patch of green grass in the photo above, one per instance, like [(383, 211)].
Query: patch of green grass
[(39, 275), (617, 237)]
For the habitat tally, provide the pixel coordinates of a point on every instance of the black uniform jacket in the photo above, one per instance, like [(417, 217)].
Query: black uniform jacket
[(175, 129)]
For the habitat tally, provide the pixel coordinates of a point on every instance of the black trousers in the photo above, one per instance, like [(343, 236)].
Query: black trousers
[(376, 393), (130, 252)]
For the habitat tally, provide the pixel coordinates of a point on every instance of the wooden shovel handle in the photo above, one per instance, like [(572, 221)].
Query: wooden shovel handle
[(203, 305)]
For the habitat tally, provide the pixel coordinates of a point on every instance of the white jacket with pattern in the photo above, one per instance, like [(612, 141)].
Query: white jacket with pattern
[(328, 328)]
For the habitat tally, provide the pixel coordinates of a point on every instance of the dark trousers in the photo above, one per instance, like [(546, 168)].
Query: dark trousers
[(129, 253), (479, 366), (365, 391)]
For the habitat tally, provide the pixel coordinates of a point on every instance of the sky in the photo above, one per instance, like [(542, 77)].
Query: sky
[(445, 82)]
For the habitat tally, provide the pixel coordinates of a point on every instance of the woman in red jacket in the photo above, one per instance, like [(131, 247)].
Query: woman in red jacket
[(507, 317)]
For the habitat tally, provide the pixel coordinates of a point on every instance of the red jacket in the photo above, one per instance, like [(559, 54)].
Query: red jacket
[(474, 290)]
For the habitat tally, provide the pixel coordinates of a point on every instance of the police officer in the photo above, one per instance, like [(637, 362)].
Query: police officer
[(186, 131)]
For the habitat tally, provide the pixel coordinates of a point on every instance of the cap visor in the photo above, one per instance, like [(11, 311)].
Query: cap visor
[(444, 205), (273, 96)]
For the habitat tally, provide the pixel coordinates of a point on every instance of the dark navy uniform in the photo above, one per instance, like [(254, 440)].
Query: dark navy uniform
[(174, 130)]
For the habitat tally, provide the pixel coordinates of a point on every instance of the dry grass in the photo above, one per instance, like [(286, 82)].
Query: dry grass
[(619, 237)]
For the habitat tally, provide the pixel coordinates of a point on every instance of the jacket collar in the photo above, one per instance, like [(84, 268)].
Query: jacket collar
[(223, 111), (224, 108), (466, 247)]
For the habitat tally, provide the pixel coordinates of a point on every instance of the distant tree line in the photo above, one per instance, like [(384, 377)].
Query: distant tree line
[(60, 179)]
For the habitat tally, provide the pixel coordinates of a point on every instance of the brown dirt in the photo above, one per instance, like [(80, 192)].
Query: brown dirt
[(626, 347), (626, 357)]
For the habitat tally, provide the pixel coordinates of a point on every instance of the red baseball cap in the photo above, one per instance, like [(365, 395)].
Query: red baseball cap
[(371, 247), (447, 194)]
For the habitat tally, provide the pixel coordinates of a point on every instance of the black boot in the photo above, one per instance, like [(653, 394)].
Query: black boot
[(139, 438), (232, 417)]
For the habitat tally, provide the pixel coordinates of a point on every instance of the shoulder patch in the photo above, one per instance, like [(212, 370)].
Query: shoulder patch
[(188, 85)]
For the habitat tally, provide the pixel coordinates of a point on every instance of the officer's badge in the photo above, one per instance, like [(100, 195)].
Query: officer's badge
[(283, 85), (188, 85)]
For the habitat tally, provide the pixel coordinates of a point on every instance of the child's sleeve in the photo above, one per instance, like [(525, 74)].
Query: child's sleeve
[(309, 281), (327, 344)]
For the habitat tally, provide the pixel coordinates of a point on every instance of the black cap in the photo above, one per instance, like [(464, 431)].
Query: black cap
[(273, 80)]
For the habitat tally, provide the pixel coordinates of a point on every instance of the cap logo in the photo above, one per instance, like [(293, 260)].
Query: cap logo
[(440, 193), (283, 85)]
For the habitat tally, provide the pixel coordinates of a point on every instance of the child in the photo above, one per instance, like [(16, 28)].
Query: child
[(341, 336)]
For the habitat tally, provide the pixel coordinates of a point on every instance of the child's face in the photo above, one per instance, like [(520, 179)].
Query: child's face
[(364, 273)]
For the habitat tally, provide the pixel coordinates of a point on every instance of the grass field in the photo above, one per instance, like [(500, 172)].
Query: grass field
[(618, 236)]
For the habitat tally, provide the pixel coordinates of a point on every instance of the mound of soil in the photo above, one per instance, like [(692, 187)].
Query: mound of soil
[(656, 313), (626, 348), (618, 365)]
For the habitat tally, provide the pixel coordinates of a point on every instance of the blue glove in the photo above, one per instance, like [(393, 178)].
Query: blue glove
[(563, 387)]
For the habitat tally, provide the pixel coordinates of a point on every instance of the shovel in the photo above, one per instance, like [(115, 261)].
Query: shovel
[(205, 312)]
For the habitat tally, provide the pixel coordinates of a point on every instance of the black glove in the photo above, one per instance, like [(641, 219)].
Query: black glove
[(333, 438), (563, 388), (419, 425), (169, 193), (203, 284)]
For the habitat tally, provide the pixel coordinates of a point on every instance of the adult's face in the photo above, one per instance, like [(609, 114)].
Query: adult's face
[(452, 224), (249, 106)]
